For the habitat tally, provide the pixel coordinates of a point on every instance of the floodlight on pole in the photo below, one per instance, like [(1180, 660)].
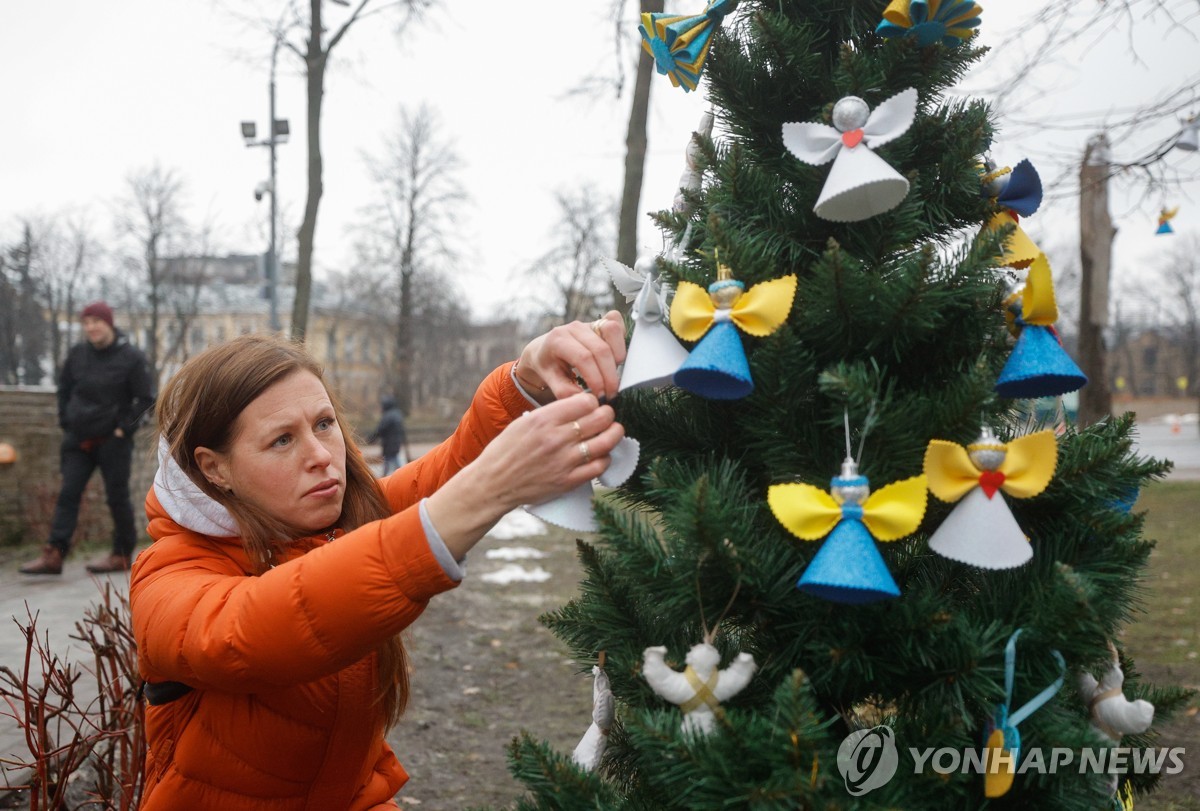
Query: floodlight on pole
[(278, 130), (1189, 137)]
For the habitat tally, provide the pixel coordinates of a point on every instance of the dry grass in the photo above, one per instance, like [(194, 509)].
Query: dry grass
[(1165, 643)]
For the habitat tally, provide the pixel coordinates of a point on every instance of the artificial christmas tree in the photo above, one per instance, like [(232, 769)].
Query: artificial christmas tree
[(897, 329)]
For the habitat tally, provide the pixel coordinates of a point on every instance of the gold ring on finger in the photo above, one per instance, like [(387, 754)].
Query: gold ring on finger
[(584, 452), (578, 430), (596, 325)]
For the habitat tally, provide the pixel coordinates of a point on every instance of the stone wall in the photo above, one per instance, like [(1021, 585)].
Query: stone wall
[(29, 486)]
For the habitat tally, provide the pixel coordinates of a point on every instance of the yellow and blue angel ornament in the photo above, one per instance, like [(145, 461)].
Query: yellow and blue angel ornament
[(1165, 216), (981, 530), (1018, 193), (929, 22), (679, 43), (1001, 738), (717, 367), (1038, 366), (848, 567)]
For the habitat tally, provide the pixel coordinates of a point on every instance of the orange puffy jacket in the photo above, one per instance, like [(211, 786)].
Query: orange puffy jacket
[(284, 715)]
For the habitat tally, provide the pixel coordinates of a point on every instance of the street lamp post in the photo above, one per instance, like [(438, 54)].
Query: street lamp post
[(277, 134)]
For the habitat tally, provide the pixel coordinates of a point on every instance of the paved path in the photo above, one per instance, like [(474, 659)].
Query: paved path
[(1178, 441)]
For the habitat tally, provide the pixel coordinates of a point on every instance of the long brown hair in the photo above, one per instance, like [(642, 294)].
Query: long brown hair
[(199, 407)]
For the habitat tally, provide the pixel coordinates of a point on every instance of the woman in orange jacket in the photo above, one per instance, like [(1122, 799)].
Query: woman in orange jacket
[(268, 608)]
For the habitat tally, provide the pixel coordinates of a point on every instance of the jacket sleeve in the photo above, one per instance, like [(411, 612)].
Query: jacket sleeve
[(141, 391), (497, 402), (200, 620), (66, 382)]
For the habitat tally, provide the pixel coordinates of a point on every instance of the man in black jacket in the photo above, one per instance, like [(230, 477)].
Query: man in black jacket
[(104, 393)]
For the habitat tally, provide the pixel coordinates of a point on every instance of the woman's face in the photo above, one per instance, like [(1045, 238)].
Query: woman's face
[(287, 456)]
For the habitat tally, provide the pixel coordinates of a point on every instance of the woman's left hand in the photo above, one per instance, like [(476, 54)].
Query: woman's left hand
[(552, 364)]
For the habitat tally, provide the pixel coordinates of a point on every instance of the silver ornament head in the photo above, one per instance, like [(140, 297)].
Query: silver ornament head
[(850, 113), (995, 180), (987, 452), (849, 487), (646, 266)]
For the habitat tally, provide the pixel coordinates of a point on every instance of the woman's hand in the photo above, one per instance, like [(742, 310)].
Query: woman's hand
[(542, 454), (551, 364)]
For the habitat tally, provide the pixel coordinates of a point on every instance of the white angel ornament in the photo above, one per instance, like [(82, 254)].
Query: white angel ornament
[(654, 353), (591, 746), (860, 184), (701, 687), (573, 509)]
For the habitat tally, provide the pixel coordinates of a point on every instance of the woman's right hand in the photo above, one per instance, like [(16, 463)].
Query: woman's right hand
[(541, 454)]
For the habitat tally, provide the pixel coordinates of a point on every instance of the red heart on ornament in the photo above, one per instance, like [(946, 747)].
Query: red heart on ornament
[(852, 138), (990, 481)]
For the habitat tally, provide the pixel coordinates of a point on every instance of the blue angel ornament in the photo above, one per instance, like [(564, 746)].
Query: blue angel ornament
[(717, 367), (848, 567)]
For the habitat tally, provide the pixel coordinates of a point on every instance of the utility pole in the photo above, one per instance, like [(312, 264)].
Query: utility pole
[(277, 133), (1096, 234), (273, 255)]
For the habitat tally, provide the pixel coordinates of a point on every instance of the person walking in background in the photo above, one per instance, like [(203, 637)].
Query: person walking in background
[(104, 393), (391, 436)]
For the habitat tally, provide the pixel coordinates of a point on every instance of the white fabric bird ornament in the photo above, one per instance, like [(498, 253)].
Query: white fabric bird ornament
[(860, 184), (1113, 715), (654, 353), (701, 687), (591, 746)]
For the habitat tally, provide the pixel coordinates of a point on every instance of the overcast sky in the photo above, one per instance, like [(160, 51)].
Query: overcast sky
[(92, 91)]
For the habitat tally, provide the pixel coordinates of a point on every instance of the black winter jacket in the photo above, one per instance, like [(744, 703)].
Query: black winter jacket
[(100, 390)]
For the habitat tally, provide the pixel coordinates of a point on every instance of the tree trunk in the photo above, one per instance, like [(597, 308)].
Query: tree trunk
[(153, 273), (635, 158), (315, 59), (1096, 234), (404, 358)]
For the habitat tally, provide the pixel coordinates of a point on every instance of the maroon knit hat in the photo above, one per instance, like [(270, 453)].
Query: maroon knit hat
[(98, 309)]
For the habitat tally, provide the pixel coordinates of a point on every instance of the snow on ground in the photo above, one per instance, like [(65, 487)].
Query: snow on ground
[(517, 524), (513, 573), (515, 553)]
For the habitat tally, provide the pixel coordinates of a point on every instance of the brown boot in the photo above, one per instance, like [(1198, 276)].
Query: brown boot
[(109, 563), (50, 562)]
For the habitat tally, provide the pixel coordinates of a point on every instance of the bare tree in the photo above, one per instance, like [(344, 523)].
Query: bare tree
[(441, 379), (315, 49), (636, 140), (8, 321), (573, 265), (635, 152), (70, 255), (151, 216), (1180, 287), (22, 327), (413, 226)]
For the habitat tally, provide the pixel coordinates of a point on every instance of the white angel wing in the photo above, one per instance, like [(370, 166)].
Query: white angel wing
[(812, 142), (624, 278), (891, 118)]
